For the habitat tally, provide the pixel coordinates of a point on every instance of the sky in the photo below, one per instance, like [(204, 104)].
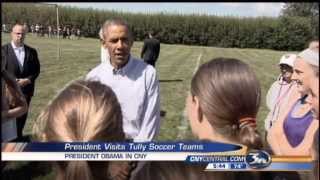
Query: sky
[(220, 9)]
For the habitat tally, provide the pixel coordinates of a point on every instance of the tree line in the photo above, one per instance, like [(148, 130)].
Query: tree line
[(287, 32)]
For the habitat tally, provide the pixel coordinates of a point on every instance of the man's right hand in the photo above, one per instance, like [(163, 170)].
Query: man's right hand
[(23, 82)]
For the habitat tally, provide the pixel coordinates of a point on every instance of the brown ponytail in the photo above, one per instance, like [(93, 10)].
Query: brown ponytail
[(229, 90), (250, 137), (248, 134)]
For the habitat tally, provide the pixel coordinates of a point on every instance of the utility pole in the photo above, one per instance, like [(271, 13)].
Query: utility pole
[(58, 33)]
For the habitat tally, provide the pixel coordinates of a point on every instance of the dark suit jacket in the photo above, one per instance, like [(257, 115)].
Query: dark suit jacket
[(150, 50), (31, 66)]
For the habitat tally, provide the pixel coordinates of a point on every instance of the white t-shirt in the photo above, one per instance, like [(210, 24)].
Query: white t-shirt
[(277, 98)]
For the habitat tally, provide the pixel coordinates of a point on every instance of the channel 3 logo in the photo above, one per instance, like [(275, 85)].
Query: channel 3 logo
[(257, 159)]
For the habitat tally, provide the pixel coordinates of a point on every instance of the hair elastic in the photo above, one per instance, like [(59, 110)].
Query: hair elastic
[(247, 121)]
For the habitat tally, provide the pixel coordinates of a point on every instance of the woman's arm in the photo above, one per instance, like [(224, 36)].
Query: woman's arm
[(20, 105)]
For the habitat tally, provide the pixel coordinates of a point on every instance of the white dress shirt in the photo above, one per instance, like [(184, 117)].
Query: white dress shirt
[(20, 54), (137, 88)]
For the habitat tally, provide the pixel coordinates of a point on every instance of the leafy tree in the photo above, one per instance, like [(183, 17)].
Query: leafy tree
[(289, 32), (308, 10), (301, 9)]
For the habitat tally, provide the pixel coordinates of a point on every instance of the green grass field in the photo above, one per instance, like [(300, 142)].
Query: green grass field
[(175, 68)]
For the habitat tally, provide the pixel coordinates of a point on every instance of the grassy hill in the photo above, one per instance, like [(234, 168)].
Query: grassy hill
[(175, 68)]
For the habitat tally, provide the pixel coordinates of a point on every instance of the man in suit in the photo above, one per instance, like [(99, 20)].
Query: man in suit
[(150, 50), (23, 63)]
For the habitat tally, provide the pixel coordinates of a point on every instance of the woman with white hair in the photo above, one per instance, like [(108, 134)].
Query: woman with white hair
[(314, 45)]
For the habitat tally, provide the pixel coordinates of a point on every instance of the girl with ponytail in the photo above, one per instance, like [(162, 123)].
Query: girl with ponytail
[(82, 112), (224, 102)]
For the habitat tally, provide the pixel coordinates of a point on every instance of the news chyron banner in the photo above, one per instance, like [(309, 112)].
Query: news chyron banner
[(217, 156)]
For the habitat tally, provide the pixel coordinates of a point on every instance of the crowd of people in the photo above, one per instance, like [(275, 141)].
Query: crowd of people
[(119, 100), (50, 31)]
